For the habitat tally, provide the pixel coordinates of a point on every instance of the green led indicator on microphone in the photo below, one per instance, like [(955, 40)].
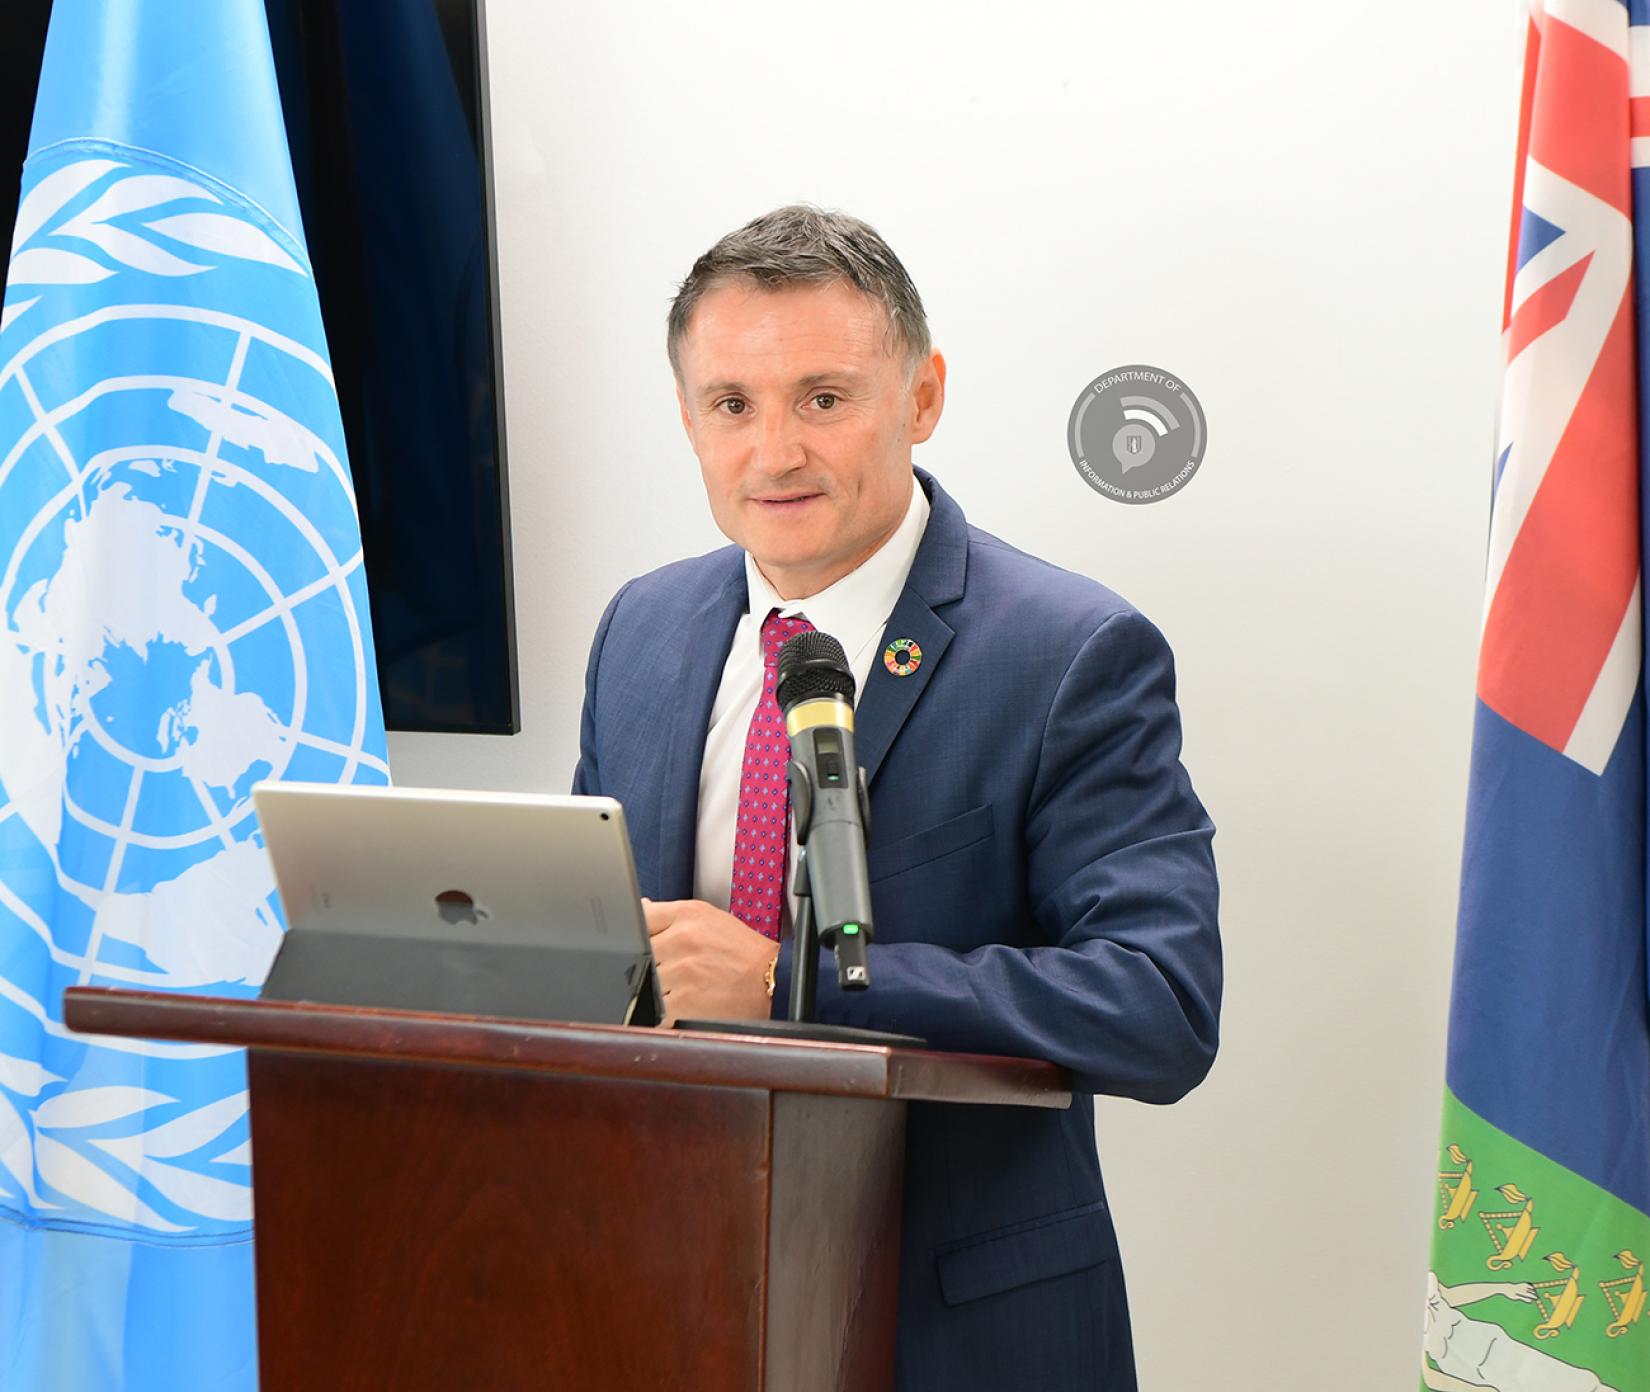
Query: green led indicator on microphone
[(850, 928)]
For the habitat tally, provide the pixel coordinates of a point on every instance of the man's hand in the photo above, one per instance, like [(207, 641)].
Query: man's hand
[(711, 965)]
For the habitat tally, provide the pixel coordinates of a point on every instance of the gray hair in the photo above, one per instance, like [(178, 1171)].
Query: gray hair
[(803, 245)]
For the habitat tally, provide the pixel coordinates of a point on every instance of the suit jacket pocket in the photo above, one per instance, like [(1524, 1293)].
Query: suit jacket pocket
[(1000, 1260), (929, 844)]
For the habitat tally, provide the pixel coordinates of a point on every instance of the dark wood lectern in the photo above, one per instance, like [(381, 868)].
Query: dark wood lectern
[(451, 1202)]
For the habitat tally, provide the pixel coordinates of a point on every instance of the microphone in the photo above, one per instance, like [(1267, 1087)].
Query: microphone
[(829, 806)]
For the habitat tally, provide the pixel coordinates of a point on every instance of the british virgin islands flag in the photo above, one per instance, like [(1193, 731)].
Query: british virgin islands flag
[(1543, 1201), (182, 613)]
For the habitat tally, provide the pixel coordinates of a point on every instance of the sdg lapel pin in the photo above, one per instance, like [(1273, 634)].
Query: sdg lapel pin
[(902, 657)]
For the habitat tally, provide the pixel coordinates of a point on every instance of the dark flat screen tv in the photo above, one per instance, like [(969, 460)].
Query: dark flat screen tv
[(386, 115)]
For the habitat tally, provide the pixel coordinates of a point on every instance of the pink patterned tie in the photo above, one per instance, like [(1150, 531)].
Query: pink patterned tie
[(762, 833)]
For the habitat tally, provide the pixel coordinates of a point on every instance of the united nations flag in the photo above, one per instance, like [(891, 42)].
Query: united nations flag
[(182, 612)]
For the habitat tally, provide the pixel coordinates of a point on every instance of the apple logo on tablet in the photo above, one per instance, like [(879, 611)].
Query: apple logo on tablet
[(455, 907)]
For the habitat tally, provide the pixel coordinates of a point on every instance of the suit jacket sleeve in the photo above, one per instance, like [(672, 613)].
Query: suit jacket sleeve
[(587, 774), (1120, 886)]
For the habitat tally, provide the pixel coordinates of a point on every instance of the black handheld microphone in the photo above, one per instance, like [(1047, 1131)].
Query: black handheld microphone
[(829, 807)]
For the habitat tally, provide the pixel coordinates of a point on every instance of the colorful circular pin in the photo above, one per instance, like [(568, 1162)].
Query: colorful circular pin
[(902, 657)]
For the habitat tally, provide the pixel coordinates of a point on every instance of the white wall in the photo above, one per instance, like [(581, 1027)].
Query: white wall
[(1300, 208)]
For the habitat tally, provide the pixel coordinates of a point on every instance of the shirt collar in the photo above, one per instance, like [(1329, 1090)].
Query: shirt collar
[(858, 605)]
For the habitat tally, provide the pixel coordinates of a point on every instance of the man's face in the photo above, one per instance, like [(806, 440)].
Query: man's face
[(803, 423)]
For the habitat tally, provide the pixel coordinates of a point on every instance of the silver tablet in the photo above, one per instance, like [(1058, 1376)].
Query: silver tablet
[(507, 904)]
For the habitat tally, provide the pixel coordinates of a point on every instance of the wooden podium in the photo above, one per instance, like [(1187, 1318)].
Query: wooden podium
[(447, 1201)]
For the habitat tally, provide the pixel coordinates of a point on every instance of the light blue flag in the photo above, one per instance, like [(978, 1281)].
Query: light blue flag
[(182, 612)]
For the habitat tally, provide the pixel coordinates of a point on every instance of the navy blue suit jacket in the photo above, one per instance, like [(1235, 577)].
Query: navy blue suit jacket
[(1043, 885)]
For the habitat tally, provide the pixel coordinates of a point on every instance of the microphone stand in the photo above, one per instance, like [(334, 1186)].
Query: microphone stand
[(805, 945)]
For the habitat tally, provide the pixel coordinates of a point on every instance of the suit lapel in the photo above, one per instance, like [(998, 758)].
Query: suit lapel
[(888, 699), (937, 576), (703, 645)]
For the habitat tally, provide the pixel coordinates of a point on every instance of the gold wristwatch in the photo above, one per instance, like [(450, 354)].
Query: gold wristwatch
[(767, 977)]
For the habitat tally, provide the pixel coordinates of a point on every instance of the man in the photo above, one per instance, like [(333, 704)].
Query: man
[(1040, 867)]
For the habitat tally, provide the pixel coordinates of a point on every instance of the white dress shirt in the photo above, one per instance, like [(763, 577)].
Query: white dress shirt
[(854, 610)]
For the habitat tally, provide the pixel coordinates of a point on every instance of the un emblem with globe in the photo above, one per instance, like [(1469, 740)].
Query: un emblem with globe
[(182, 613)]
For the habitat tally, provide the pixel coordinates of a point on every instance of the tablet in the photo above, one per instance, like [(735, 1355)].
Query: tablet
[(515, 905)]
